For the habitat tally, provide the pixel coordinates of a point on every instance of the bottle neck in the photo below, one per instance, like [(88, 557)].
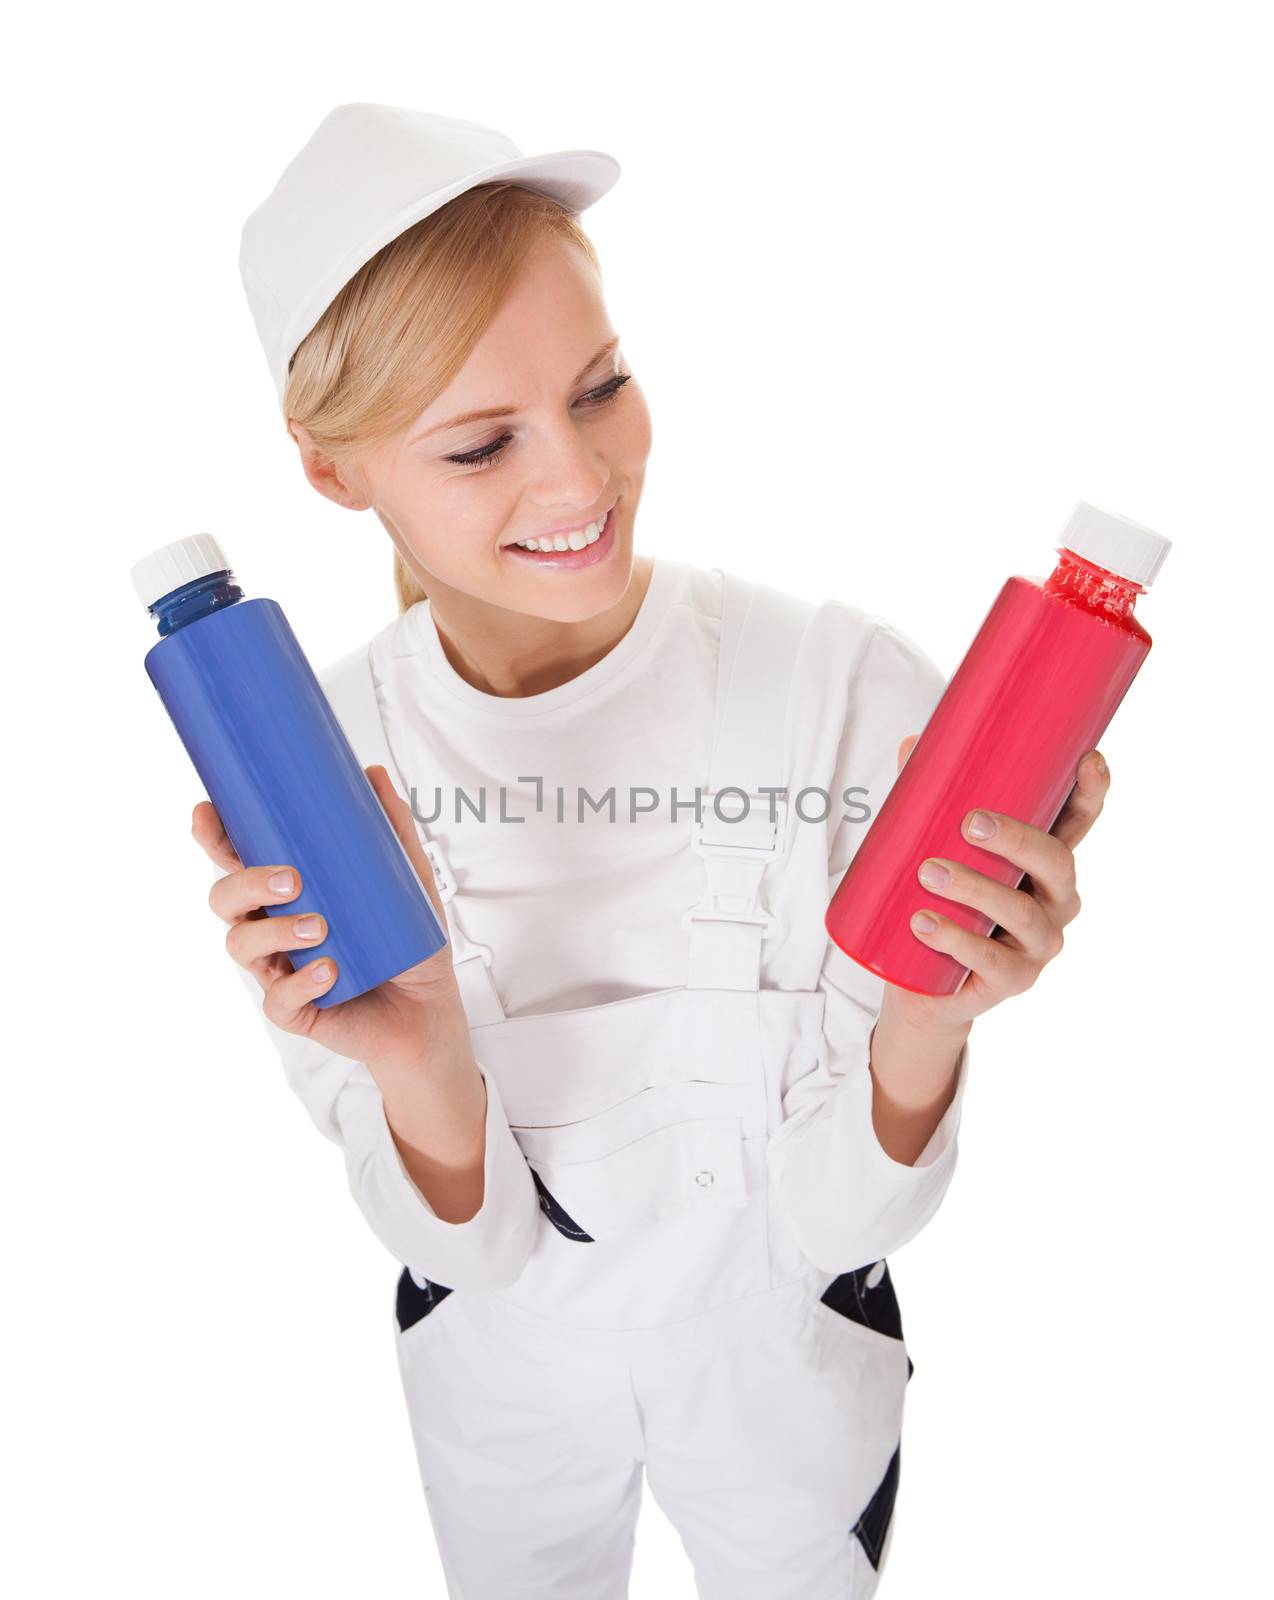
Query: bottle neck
[(193, 600), (1085, 583)]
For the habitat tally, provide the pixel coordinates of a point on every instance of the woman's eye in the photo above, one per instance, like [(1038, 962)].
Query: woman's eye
[(608, 390), (490, 453), (483, 457)]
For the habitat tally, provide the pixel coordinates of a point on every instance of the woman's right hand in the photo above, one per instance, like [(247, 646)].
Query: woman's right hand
[(391, 1025)]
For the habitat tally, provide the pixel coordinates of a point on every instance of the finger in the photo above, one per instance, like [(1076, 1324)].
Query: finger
[(1022, 916), (289, 1000), (404, 824), (268, 968), (207, 830), (1085, 801), (240, 894), (996, 969), (905, 749), (1044, 856), (253, 939)]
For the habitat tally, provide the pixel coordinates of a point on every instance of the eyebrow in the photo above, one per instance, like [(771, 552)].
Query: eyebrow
[(510, 411)]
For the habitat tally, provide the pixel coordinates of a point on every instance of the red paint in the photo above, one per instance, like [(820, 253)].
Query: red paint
[(1036, 690)]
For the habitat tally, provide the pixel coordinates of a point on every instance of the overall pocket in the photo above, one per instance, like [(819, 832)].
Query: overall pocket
[(414, 1301), (867, 1296), (866, 1304), (648, 1159), (635, 1111)]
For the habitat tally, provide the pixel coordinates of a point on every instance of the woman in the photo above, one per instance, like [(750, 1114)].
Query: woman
[(639, 1136)]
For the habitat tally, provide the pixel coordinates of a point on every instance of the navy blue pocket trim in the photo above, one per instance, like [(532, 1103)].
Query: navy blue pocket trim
[(875, 1308), (565, 1225), (415, 1302), (873, 1525)]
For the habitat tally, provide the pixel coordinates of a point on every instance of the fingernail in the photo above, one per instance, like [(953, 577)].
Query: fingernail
[(1102, 768), (307, 927), (933, 874), (280, 883), (320, 972), (922, 922), (981, 826)]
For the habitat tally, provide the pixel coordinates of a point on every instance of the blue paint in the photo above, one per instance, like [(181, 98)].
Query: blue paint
[(285, 782)]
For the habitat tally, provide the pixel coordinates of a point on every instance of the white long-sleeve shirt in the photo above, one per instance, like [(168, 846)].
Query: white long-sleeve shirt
[(586, 910)]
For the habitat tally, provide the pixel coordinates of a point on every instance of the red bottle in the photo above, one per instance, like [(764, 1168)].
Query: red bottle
[(1035, 691)]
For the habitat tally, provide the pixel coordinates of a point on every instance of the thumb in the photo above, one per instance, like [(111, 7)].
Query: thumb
[(905, 749), (404, 825)]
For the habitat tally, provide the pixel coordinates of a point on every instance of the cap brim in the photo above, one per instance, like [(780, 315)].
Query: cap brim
[(575, 178)]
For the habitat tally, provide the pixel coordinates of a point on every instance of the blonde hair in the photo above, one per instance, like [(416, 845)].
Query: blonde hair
[(405, 323)]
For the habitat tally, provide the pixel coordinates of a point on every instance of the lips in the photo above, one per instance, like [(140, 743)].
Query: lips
[(569, 560), (565, 532)]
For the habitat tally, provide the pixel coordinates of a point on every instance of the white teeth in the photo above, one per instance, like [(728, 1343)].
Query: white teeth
[(567, 541)]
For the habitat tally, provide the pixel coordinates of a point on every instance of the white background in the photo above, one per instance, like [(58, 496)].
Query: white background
[(901, 283)]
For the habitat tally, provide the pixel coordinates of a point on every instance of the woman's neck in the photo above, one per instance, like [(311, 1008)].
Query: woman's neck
[(511, 655)]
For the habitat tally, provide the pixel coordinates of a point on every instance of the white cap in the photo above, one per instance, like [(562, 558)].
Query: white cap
[(170, 566), (1116, 543), (365, 175)]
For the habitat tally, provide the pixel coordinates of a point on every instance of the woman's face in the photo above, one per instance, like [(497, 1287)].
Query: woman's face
[(455, 495)]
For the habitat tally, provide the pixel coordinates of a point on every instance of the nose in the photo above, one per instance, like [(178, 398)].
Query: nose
[(570, 476)]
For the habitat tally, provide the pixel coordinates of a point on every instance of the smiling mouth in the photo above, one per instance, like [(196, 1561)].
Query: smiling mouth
[(577, 539)]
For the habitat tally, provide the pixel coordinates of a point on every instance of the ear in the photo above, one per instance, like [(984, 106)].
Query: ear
[(336, 483)]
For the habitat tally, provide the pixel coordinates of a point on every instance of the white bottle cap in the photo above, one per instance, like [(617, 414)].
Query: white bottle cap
[(170, 566), (1116, 543)]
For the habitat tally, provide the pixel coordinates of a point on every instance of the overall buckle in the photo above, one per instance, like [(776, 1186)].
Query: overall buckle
[(442, 872), (462, 949), (735, 859), (483, 951)]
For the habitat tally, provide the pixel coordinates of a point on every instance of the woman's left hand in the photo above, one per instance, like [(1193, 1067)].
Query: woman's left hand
[(1030, 918)]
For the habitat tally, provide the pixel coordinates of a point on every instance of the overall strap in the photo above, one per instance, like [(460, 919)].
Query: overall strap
[(741, 830), (350, 687)]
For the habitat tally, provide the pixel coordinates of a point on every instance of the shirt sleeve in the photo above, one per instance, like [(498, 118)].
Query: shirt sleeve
[(847, 1200), (490, 1249)]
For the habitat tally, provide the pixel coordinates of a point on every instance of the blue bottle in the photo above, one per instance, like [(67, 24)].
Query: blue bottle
[(278, 767)]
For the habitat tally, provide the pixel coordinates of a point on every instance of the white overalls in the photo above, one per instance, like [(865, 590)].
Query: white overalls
[(666, 1317)]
